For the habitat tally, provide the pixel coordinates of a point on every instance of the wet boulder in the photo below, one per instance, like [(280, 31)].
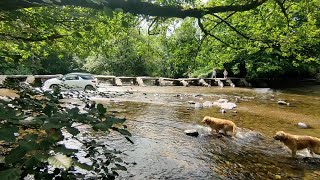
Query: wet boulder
[(191, 132)]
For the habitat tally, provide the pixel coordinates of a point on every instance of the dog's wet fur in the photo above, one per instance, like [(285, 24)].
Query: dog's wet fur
[(299, 142), (220, 124)]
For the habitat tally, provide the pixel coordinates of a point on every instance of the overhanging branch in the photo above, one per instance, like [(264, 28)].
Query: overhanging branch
[(283, 10), (135, 7), (233, 28), (33, 39), (212, 35)]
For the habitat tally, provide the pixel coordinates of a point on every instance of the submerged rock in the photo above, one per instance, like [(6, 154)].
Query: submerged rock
[(223, 111), (191, 102), (303, 125), (224, 104), (281, 102), (191, 132), (207, 104), (198, 105)]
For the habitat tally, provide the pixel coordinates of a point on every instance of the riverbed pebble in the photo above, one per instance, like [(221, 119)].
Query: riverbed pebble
[(191, 102), (191, 132), (281, 102), (277, 177), (303, 125)]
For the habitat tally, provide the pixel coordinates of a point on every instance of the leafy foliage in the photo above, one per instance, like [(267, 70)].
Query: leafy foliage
[(36, 127), (276, 38)]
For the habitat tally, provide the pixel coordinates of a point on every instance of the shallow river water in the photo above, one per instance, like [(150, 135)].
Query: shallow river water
[(158, 116)]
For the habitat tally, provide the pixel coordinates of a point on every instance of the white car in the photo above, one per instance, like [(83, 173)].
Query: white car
[(83, 81)]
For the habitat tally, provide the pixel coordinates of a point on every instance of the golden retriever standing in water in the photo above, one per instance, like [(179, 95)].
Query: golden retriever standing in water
[(296, 142), (220, 124)]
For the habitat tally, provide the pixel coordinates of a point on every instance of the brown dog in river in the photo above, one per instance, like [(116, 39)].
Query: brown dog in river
[(297, 142), (220, 124)]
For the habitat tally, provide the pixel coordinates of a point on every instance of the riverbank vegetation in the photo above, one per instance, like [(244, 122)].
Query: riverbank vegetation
[(37, 130), (269, 38)]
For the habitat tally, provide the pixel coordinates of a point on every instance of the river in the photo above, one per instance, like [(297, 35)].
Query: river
[(158, 116)]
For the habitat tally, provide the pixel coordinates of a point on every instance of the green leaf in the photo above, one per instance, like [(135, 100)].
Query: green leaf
[(28, 145), (116, 120), (77, 34), (83, 166), (48, 110), (62, 149), (124, 132), (101, 109), (45, 145), (7, 133), (72, 130), (51, 125), (60, 161), (42, 157), (74, 111), (32, 162), (10, 174), (104, 126), (15, 155)]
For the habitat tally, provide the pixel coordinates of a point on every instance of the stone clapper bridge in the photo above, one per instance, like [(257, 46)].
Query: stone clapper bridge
[(140, 81)]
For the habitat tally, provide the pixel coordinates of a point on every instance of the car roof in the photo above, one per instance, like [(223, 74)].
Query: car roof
[(75, 73)]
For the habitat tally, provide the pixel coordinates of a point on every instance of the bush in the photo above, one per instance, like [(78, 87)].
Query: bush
[(32, 127)]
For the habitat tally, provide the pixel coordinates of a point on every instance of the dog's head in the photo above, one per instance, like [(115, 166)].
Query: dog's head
[(280, 136), (206, 120)]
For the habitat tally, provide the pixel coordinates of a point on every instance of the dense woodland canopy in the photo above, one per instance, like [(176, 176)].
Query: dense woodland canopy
[(173, 38)]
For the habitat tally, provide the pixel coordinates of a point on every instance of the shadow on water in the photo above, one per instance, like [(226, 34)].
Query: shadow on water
[(163, 151)]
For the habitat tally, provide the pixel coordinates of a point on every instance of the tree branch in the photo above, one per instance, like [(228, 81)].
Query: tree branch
[(208, 33), (218, 23), (34, 39), (233, 28), (283, 10), (149, 27), (134, 6)]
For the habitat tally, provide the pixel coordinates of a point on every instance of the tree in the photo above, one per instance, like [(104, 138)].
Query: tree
[(262, 32), (160, 8)]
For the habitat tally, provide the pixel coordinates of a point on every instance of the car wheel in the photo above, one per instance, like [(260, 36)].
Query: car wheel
[(54, 87), (89, 88)]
